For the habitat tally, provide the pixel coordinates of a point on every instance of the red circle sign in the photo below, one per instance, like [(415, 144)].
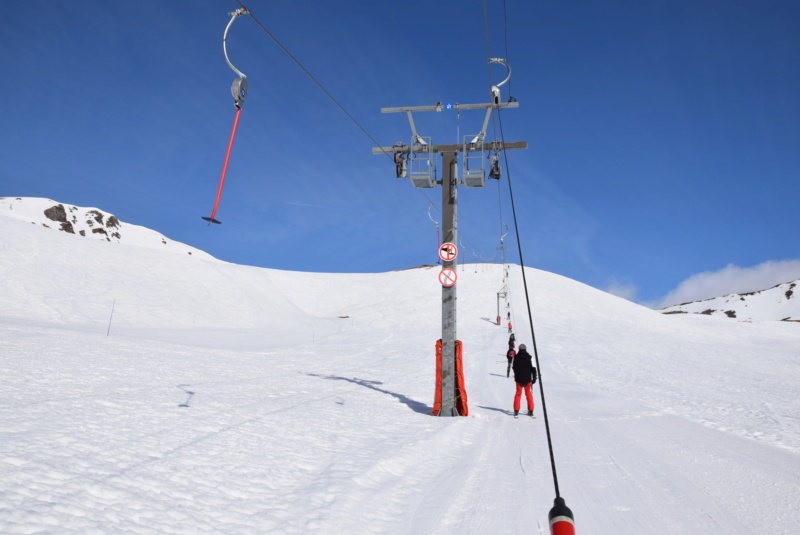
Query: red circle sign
[(448, 252), (448, 277)]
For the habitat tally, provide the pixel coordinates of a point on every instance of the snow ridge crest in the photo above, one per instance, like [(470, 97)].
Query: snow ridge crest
[(89, 223), (779, 303)]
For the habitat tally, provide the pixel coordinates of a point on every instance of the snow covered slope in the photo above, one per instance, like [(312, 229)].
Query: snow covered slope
[(781, 302), (231, 399), (86, 284), (89, 222)]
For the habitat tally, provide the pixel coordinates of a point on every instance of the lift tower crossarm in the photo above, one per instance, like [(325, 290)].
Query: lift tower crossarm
[(456, 107), (495, 145)]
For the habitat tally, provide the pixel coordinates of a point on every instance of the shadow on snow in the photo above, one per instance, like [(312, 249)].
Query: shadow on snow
[(416, 406)]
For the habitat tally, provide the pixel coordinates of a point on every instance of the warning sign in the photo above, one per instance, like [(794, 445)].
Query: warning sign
[(448, 276), (448, 252)]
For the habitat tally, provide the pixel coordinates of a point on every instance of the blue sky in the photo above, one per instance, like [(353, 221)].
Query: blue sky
[(664, 136)]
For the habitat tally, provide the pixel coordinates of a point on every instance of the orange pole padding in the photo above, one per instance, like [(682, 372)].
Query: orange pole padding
[(437, 396), (461, 391)]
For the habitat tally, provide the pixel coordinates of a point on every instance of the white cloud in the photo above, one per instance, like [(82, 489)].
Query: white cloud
[(732, 279), (625, 291)]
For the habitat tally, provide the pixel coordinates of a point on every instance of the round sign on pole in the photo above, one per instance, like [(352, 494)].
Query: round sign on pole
[(448, 252), (448, 277)]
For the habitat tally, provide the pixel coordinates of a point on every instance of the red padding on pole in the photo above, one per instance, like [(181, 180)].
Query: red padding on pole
[(561, 520), (225, 166), (461, 391), (437, 396)]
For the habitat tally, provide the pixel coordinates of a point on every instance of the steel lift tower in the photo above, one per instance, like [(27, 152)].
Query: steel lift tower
[(417, 162)]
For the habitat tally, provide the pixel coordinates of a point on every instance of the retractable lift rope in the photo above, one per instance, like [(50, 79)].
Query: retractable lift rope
[(561, 519), (239, 93)]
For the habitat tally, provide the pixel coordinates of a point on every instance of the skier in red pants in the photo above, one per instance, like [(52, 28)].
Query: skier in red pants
[(525, 377)]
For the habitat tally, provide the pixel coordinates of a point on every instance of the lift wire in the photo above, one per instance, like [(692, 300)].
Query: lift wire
[(494, 122), (500, 213), (505, 34), (491, 83), (559, 507), (519, 245), (322, 87), (530, 319), (488, 45), (319, 84), (324, 90)]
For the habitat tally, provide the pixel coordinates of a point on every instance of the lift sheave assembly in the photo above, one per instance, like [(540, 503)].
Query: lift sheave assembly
[(416, 161)]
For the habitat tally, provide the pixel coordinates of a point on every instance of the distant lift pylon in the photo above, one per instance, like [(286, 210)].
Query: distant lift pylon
[(239, 92)]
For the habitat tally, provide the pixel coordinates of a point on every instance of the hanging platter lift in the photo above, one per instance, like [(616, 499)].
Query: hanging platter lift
[(239, 93)]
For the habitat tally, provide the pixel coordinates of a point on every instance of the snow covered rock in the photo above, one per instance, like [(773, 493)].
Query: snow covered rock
[(89, 222)]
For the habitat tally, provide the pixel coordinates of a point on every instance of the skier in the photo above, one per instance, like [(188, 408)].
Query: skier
[(525, 377), (510, 356), (512, 341)]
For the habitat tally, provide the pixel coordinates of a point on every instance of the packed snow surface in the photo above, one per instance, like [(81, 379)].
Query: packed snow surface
[(150, 392)]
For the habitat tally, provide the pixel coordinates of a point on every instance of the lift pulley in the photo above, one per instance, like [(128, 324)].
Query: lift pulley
[(239, 93), (496, 88)]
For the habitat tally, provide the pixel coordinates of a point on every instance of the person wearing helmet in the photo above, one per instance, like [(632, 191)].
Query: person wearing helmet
[(525, 377)]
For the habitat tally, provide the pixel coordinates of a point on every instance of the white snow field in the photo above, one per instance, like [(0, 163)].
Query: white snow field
[(221, 398)]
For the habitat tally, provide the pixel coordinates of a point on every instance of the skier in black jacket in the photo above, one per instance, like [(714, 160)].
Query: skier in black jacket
[(525, 377)]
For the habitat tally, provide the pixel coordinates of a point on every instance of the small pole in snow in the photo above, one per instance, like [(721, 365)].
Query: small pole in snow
[(112, 316)]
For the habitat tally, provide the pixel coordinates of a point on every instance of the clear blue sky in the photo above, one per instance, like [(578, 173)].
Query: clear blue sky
[(664, 136)]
